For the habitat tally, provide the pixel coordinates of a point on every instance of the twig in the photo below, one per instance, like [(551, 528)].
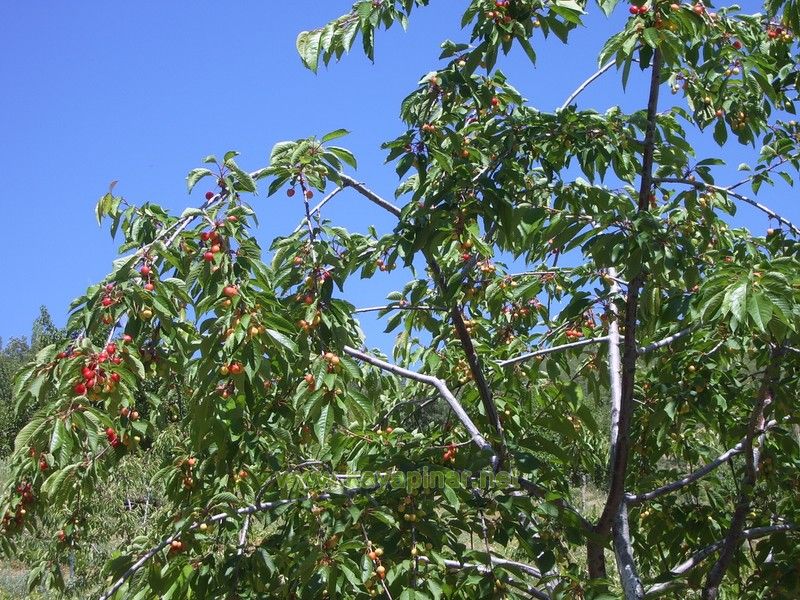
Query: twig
[(395, 307), (369, 194), (440, 386), (500, 562), (543, 351)]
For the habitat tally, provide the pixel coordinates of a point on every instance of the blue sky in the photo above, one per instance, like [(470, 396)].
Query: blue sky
[(140, 92)]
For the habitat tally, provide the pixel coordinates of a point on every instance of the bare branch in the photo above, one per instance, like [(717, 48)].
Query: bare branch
[(695, 475), (544, 351), (440, 386), (699, 556), (586, 84), (369, 194), (729, 191), (396, 307)]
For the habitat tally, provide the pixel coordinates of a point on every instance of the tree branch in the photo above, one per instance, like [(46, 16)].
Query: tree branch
[(697, 474), (500, 562), (729, 191), (620, 458), (699, 556), (752, 455), (244, 511), (369, 194), (544, 351), (623, 549), (367, 309), (440, 386), (586, 84), (665, 342)]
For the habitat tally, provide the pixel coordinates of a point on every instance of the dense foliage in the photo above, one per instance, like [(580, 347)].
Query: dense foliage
[(557, 262)]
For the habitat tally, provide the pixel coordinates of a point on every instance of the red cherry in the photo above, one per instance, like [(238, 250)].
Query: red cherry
[(235, 368), (111, 348), (127, 339), (643, 10), (116, 360), (115, 377), (208, 256), (309, 194), (737, 44), (43, 464), (205, 236), (61, 355), (106, 301), (209, 195), (634, 10), (87, 373), (495, 101), (149, 286), (79, 389), (145, 271), (102, 357), (290, 192), (230, 291)]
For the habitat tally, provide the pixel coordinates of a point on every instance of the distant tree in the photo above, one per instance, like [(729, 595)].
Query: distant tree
[(13, 355)]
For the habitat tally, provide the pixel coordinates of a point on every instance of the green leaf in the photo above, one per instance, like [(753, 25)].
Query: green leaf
[(334, 135), (282, 340), (196, 175)]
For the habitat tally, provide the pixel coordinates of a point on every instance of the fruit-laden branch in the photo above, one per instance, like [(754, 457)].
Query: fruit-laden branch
[(244, 511), (500, 562), (492, 414), (440, 386), (586, 84), (630, 353), (544, 351), (695, 475), (623, 549), (729, 191), (752, 454), (698, 557)]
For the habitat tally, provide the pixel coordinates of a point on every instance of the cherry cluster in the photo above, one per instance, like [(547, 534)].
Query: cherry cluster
[(93, 375)]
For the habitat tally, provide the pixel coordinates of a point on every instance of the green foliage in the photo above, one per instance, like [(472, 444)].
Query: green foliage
[(237, 382)]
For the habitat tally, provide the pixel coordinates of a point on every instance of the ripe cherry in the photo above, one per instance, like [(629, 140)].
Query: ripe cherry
[(145, 271), (230, 291), (737, 44), (634, 10), (106, 301), (208, 256), (127, 339), (209, 195), (149, 287), (235, 368), (80, 389), (115, 377), (495, 101), (111, 348), (309, 194), (87, 373), (290, 192)]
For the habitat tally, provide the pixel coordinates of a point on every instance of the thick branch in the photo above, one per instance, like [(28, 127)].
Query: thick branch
[(699, 556), (729, 191), (620, 459), (695, 475), (752, 454), (623, 549), (440, 386)]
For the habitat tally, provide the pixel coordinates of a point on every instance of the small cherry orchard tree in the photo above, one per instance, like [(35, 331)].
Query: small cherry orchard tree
[(290, 432)]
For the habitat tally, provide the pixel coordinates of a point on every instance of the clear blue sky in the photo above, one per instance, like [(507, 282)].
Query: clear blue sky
[(140, 92)]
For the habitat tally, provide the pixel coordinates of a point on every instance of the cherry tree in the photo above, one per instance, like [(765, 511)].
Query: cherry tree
[(658, 358)]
